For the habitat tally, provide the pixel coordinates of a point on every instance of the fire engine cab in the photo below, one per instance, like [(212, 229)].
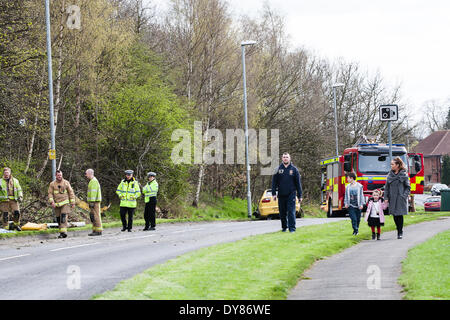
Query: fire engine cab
[(370, 162)]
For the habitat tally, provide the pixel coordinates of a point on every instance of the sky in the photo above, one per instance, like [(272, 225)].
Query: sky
[(407, 41)]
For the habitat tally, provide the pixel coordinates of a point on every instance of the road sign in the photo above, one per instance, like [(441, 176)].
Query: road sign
[(51, 154), (389, 112)]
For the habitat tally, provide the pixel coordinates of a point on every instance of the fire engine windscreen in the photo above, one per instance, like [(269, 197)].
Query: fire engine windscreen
[(372, 163)]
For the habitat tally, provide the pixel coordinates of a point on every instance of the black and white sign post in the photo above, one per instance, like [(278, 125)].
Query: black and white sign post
[(389, 113)]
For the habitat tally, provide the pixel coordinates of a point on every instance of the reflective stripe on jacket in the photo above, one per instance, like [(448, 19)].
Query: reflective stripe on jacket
[(4, 189), (94, 193), (150, 190), (61, 193), (128, 192)]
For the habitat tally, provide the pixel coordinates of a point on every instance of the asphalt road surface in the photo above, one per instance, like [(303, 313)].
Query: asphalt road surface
[(79, 266), (419, 199)]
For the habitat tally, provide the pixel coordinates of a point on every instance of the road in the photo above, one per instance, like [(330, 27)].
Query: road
[(79, 266), (419, 199)]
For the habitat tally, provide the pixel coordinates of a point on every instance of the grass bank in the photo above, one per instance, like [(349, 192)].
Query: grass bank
[(262, 267), (426, 270)]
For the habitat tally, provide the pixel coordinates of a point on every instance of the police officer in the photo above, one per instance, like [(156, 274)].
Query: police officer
[(150, 191), (10, 196), (128, 192), (287, 182)]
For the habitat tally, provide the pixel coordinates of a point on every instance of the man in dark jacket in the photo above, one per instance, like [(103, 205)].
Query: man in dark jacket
[(287, 182)]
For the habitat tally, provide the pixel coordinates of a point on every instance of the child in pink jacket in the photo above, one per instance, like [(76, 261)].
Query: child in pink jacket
[(374, 213)]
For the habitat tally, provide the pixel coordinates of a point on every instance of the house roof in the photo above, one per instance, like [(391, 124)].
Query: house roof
[(436, 144)]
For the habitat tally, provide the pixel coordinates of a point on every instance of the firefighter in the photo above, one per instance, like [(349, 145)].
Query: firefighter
[(287, 182), (128, 192), (61, 198), (10, 197), (94, 198), (150, 191)]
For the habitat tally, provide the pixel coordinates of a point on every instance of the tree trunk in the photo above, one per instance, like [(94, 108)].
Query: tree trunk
[(36, 118), (208, 114), (201, 171)]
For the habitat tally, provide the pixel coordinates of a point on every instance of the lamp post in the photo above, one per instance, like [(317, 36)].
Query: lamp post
[(336, 85), (249, 194), (52, 154)]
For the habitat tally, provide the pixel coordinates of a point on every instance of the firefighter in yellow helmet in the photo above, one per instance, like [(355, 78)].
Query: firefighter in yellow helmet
[(10, 196), (94, 198), (61, 197)]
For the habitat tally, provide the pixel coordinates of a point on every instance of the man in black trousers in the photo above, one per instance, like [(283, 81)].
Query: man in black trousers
[(287, 182), (150, 191)]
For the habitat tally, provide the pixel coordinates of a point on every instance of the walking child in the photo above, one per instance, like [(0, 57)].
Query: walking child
[(374, 215), (353, 201)]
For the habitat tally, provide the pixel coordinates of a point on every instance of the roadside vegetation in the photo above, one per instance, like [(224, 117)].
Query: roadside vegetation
[(258, 267), (209, 209), (426, 270), (135, 73)]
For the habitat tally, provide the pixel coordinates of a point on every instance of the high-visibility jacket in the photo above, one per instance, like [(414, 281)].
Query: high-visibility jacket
[(128, 192), (94, 193), (61, 193), (150, 190), (11, 191)]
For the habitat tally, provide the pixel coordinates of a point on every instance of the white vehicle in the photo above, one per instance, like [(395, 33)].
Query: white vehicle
[(436, 189)]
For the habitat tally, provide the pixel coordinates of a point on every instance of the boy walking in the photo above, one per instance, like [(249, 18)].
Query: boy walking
[(353, 201)]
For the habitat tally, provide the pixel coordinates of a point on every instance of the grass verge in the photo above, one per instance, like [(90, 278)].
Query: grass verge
[(426, 270), (263, 267)]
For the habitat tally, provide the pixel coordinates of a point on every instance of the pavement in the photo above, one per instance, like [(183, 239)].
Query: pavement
[(78, 267), (368, 270)]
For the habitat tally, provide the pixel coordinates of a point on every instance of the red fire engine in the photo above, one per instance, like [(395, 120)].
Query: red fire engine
[(370, 162)]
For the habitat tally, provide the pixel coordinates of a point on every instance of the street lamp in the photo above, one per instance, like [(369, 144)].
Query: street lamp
[(51, 152), (336, 85), (249, 195), (50, 90)]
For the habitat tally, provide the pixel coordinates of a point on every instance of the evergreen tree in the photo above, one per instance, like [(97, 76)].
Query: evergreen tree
[(446, 170), (447, 121)]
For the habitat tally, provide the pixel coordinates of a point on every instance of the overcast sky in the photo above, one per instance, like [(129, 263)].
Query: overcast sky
[(407, 41)]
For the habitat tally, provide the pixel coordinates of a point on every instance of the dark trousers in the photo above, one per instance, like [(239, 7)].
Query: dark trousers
[(286, 206), (123, 213), (399, 223), (355, 217), (150, 213)]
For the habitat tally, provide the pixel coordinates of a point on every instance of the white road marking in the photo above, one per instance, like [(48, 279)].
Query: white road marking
[(224, 225), (131, 238), (79, 246), (181, 231), (23, 255)]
